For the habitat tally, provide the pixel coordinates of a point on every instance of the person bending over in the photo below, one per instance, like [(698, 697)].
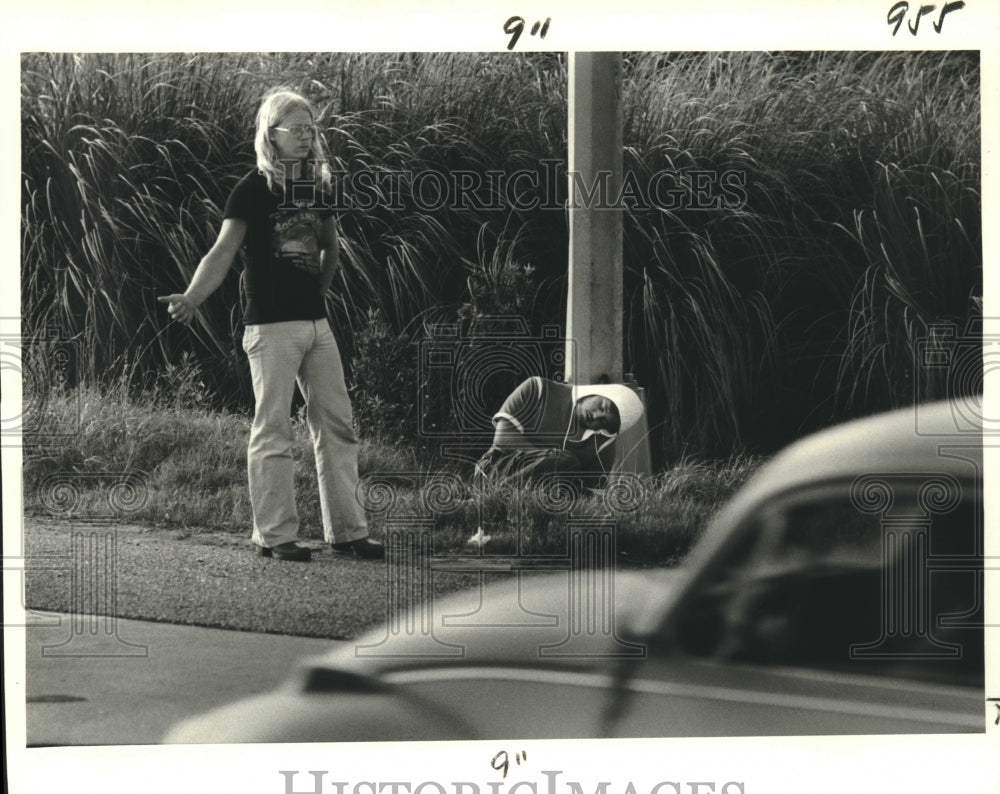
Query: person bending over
[(548, 428)]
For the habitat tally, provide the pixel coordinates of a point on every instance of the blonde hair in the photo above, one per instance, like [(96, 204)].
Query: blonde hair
[(276, 104)]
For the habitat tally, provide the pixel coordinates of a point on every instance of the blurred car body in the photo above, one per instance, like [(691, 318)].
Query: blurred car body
[(839, 592)]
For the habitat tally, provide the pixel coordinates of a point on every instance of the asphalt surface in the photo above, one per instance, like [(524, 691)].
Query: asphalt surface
[(96, 681), (205, 579), (132, 629)]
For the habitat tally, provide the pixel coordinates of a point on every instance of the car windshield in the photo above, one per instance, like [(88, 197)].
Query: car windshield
[(820, 583)]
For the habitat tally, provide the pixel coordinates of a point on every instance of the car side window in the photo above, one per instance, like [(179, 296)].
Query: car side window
[(822, 584)]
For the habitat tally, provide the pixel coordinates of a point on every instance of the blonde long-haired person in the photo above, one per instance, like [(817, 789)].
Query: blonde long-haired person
[(278, 215)]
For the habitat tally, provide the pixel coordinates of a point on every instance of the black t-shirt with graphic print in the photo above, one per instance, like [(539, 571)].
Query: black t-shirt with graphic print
[(282, 247)]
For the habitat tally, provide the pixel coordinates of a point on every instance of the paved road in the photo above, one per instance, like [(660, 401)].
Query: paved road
[(208, 622), (93, 680), (201, 621), (204, 579)]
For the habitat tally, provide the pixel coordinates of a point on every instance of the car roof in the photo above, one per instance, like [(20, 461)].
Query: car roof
[(929, 438), (908, 440)]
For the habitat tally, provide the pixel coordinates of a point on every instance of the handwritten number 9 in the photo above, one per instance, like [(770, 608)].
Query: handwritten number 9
[(501, 761), (897, 15), (504, 764), (514, 27)]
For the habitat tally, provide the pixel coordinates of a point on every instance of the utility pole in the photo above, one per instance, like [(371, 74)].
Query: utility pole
[(594, 337), (594, 310)]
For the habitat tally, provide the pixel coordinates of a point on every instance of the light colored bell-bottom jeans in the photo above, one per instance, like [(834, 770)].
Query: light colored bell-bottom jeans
[(280, 355)]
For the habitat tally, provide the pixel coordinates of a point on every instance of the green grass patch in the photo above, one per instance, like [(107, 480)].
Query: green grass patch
[(187, 471)]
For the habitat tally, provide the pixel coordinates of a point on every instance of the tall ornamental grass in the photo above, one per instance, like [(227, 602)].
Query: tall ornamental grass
[(859, 234), (128, 160), (848, 235)]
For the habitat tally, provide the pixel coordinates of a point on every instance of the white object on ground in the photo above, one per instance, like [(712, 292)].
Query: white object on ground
[(479, 539)]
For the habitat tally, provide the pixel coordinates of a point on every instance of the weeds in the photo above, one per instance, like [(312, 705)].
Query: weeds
[(852, 229), (188, 467)]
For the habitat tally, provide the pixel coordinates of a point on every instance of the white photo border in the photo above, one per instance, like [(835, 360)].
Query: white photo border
[(815, 764)]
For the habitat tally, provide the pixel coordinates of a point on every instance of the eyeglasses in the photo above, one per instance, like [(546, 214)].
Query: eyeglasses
[(299, 130)]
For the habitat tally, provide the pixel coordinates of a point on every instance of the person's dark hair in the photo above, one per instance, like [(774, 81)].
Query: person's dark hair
[(615, 420)]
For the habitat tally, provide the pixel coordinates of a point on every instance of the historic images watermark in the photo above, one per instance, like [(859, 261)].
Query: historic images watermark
[(34, 370), (541, 188), (932, 564), (932, 525), (91, 502), (48, 416), (929, 527), (464, 375), (956, 360), (316, 782), (37, 367)]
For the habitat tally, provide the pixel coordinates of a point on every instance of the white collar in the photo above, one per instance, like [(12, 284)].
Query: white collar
[(588, 433)]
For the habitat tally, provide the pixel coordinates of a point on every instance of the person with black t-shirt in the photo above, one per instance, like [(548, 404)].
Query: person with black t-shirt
[(279, 216)]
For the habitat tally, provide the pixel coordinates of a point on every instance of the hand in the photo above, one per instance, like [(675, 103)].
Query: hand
[(562, 457), (180, 307)]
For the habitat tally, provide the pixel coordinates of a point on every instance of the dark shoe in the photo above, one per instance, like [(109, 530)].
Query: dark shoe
[(286, 551), (363, 548)]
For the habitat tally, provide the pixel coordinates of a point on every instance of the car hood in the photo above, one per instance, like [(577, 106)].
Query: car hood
[(525, 623), (521, 619)]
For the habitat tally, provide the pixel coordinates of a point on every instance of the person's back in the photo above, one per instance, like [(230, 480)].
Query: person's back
[(550, 428)]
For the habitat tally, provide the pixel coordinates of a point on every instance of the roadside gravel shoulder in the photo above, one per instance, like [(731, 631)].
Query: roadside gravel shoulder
[(205, 579)]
